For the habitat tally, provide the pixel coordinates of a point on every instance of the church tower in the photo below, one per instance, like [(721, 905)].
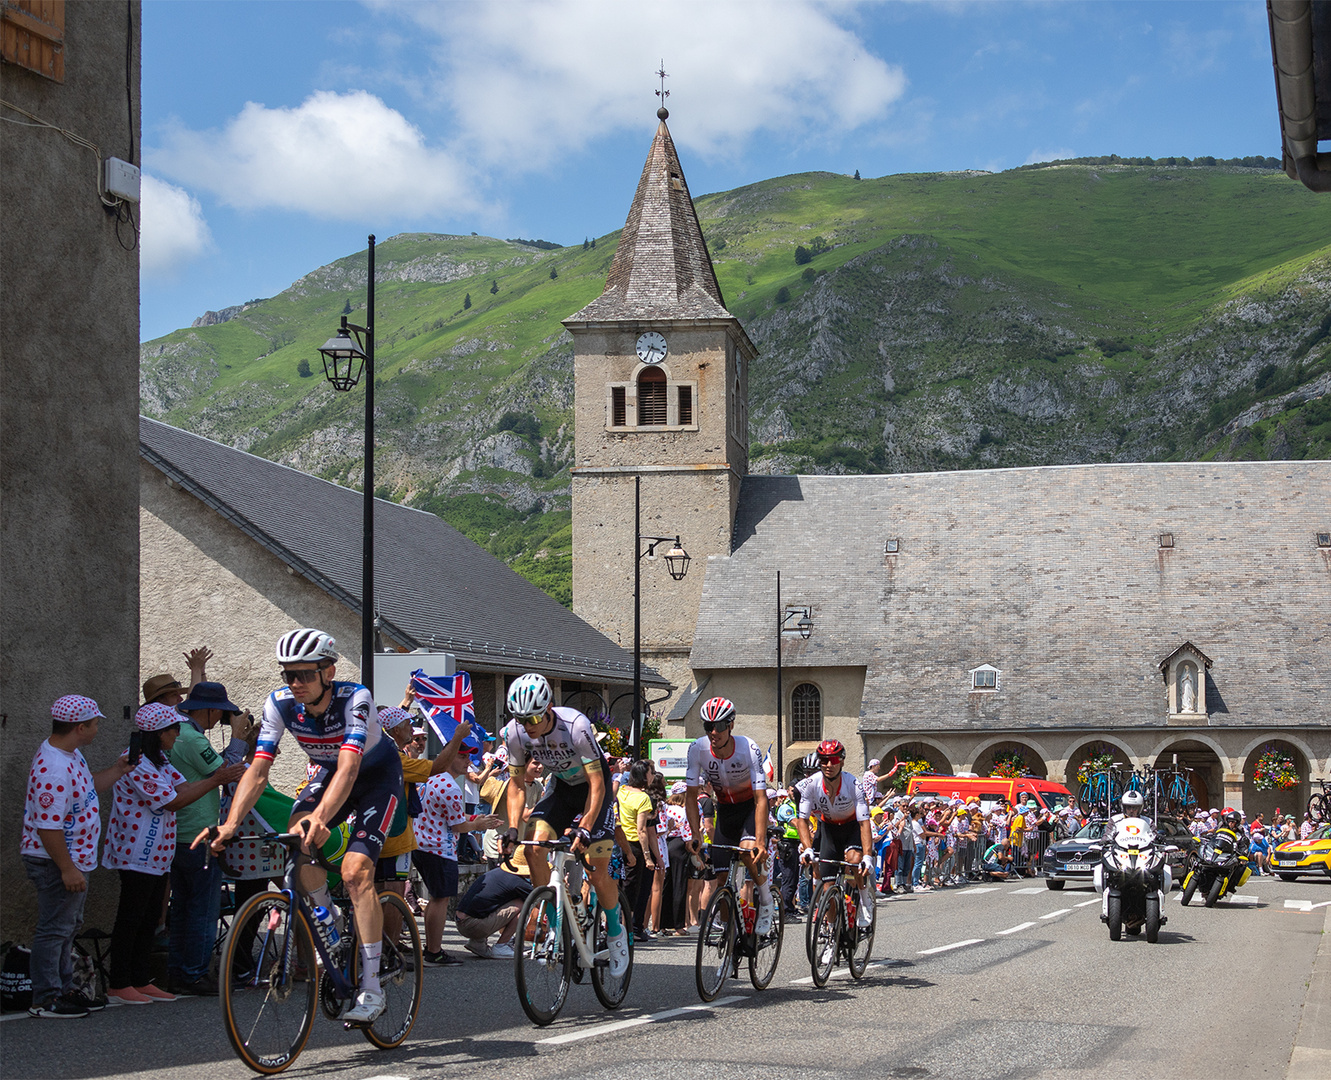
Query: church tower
[(661, 381)]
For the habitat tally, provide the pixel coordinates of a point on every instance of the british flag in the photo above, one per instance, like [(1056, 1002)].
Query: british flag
[(446, 701)]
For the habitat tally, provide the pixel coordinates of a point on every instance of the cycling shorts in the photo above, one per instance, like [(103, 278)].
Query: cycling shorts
[(835, 840), (735, 823), (563, 805), (370, 806)]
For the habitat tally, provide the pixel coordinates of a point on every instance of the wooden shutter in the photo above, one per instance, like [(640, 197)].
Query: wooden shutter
[(652, 397), (32, 35), (618, 410), (685, 405)]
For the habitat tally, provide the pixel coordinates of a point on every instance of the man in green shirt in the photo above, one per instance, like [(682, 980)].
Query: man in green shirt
[(196, 888)]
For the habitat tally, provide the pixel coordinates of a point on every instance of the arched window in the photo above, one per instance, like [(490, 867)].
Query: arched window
[(806, 714), (651, 397)]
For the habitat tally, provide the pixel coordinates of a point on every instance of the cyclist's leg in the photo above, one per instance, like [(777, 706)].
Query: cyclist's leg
[(538, 862), (358, 875)]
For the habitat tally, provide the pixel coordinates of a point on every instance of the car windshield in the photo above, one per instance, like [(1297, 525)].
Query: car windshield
[(1324, 833), (1092, 830)]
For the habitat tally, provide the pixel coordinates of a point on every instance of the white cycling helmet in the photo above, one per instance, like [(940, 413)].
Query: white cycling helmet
[(305, 646), (1132, 803), (529, 695)]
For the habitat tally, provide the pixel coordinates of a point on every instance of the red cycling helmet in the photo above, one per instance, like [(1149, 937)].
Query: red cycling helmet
[(718, 710), (829, 749)]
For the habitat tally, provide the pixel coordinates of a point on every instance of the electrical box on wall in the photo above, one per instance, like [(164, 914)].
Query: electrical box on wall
[(121, 179)]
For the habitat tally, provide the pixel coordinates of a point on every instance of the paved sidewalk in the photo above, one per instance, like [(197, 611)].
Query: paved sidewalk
[(1311, 1059)]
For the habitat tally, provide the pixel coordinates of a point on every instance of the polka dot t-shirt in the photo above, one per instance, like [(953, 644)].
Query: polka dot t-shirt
[(441, 808), (141, 835), (61, 796)]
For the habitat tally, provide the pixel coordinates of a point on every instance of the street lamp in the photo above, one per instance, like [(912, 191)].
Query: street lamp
[(345, 357), (677, 562), (805, 628)]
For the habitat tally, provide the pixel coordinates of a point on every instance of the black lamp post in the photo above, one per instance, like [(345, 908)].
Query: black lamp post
[(805, 627), (677, 562), (345, 358)]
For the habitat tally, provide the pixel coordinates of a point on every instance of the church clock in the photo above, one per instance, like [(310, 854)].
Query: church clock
[(652, 348)]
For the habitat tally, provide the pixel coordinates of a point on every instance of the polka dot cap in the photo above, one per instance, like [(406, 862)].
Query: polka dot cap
[(154, 716), (75, 709)]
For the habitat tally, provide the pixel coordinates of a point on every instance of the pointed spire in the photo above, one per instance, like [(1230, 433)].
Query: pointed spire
[(662, 269)]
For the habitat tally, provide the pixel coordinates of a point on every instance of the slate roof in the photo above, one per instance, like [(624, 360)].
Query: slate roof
[(661, 269), (433, 587), (1052, 575)]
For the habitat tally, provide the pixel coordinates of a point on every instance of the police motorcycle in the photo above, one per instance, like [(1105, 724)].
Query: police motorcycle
[(1133, 876), (1220, 866)]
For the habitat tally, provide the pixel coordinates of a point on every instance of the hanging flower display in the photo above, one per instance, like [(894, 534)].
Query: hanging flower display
[(1094, 764), (909, 769), (1274, 771), (1009, 764), (613, 744)]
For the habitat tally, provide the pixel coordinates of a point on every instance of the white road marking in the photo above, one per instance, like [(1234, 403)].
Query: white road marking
[(975, 890), (954, 945), (1056, 914), (637, 1021), (1014, 929), (1305, 905), (1028, 891), (1087, 903), (1240, 898)]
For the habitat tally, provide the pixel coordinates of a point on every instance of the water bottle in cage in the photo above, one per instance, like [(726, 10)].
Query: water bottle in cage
[(750, 914), (327, 927), (850, 910)]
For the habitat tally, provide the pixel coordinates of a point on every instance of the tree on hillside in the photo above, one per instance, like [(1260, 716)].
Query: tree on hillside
[(346, 310), (494, 288), (593, 245), (857, 174), (466, 302), (802, 255), (303, 368), (585, 244), (783, 295), (553, 273)]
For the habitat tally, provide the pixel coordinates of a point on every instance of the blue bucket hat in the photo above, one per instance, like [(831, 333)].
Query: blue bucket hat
[(208, 695)]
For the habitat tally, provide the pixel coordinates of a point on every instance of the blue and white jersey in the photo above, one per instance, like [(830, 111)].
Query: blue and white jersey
[(351, 723)]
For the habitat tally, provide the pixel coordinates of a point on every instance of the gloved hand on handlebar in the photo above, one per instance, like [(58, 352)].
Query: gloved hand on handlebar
[(806, 855)]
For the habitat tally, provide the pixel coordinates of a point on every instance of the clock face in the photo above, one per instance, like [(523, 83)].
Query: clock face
[(651, 348)]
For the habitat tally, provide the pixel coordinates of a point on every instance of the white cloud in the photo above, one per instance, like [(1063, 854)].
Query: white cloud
[(344, 156), (1061, 154), (527, 82), (172, 230)]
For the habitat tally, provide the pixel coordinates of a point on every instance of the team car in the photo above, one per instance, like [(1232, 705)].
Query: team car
[(1294, 858)]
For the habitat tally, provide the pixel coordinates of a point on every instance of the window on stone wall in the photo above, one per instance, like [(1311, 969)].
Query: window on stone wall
[(652, 398), (618, 409), (806, 714), (32, 36), (685, 405), (984, 678)]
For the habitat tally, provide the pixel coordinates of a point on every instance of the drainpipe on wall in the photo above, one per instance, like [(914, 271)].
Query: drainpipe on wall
[(1291, 25)]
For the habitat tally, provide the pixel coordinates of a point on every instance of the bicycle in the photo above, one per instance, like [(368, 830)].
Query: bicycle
[(836, 930), (276, 970), (559, 938), (727, 933), (1319, 804)]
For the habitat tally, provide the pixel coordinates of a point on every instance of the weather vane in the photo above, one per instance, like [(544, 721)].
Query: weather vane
[(663, 93)]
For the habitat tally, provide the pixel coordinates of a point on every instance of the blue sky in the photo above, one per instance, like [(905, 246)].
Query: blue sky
[(277, 135)]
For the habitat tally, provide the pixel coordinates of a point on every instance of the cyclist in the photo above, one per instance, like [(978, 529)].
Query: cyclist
[(733, 765), (836, 798), (357, 773), (579, 803)]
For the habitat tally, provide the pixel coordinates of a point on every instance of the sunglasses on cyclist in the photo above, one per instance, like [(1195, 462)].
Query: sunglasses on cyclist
[(302, 675), (715, 725), (530, 721)]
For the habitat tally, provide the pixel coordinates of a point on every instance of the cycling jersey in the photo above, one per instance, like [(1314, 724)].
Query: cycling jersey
[(351, 723), (843, 804), (734, 779), (568, 752)]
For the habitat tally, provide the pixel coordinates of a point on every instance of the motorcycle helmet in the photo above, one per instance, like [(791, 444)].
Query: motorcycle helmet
[(1232, 818), (1132, 803)]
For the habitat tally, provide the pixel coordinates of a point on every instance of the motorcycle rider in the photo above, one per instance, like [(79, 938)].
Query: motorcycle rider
[(1231, 825)]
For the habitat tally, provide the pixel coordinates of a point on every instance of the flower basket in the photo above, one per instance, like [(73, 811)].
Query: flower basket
[(1009, 765), (1274, 771), (1094, 764), (909, 770)]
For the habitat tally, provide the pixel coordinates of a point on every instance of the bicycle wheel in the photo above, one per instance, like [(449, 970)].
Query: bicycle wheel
[(402, 976), (542, 956), (827, 934), (815, 895), (268, 1015), (1318, 807), (716, 944), (767, 950), (610, 990), (862, 942)]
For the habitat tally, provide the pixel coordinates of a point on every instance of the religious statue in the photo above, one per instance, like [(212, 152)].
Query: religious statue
[(1188, 689)]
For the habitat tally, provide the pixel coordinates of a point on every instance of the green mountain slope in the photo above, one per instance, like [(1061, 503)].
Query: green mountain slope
[(1051, 315)]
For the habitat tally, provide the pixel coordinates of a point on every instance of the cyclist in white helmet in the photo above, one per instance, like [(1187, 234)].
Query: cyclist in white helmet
[(359, 776), (578, 802)]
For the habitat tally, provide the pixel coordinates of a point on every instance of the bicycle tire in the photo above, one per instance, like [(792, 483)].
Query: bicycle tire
[(815, 895), (1317, 806), (268, 1016), (827, 935), (402, 977), (610, 991), (862, 942), (767, 950), (542, 957), (716, 943)]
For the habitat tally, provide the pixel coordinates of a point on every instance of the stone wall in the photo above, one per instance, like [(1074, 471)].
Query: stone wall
[(69, 363)]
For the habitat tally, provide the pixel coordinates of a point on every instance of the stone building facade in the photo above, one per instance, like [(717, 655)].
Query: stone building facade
[(69, 364)]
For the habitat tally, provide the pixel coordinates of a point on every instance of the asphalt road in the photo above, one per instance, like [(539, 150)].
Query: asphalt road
[(1010, 980)]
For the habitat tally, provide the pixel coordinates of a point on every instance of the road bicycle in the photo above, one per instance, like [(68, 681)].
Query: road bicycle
[(727, 933), (837, 934), (562, 936), (277, 970), (1319, 805)]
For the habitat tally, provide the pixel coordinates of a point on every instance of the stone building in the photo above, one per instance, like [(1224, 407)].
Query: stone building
[(69, 364), (237, 550), (1155, 612)]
